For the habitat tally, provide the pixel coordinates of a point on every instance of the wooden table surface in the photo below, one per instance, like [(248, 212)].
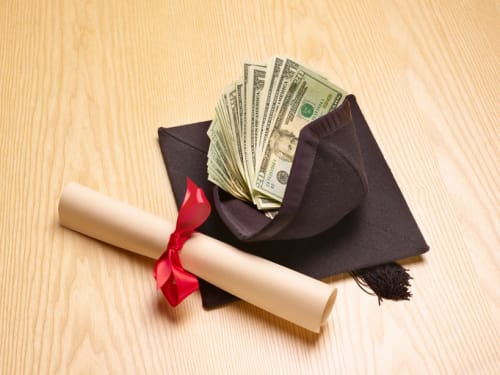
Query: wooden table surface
[(84, 85)]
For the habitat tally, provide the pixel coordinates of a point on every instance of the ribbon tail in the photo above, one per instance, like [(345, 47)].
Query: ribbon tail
[(180, 283), (194, 210), (162, 270), (178, 287)]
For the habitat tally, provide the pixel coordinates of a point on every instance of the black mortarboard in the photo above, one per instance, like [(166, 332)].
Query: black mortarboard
[(342, 210)]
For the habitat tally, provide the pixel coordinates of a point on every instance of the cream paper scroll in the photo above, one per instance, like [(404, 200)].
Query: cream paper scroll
[(288, 294)]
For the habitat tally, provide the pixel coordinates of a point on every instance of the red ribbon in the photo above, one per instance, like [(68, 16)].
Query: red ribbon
[(173, 280)]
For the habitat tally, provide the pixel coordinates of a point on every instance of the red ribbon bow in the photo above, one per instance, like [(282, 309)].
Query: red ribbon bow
[(173, 280)]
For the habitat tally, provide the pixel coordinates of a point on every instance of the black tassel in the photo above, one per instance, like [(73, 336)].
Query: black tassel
[(387, 281)]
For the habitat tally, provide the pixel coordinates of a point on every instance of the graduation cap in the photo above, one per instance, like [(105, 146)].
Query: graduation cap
[(342, 210)]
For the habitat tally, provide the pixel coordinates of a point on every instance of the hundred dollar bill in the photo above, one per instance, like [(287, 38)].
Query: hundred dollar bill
[(308, 97)]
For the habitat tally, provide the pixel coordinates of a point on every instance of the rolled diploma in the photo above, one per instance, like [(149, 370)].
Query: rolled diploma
[(288, 294)]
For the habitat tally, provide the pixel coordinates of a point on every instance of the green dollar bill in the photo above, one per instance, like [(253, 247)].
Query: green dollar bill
[(255, 130), (287, 73), (255, 78), (268, 92), (308, 97)]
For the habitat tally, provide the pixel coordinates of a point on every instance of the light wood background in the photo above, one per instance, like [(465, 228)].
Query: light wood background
[(84, 85)]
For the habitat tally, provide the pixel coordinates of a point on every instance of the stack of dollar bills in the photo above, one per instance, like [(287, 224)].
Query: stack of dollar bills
[(255, 130)]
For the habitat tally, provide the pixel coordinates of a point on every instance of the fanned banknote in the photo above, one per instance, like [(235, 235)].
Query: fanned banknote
[(256, 127)]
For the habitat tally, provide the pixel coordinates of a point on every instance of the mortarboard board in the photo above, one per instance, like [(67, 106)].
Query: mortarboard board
[(342, 210)]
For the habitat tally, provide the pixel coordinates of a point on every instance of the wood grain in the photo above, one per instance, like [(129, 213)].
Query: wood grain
[(84, 85)]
